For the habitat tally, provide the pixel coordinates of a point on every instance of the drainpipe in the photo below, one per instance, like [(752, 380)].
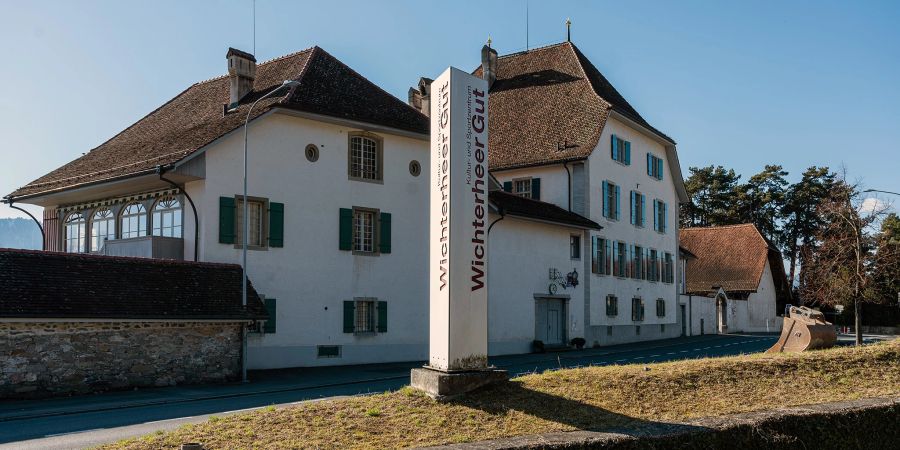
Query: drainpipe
[(36, 222), (502, 216), (569, 184), (160, 170)]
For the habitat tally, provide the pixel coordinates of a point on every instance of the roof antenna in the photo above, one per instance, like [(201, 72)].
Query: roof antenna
[(568, 30)]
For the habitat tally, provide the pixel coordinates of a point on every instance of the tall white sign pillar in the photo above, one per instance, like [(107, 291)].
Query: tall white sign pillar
[(458, 249)]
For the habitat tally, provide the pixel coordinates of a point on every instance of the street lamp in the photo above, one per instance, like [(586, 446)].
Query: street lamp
[(244, 214), (883, 192)]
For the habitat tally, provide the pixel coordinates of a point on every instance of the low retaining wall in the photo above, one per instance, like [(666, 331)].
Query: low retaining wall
[(858, 424), (41, 359)]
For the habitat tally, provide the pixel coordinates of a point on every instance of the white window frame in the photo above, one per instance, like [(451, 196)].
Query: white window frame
[(365, 157), (262, 222), (103, 228), (359, 231), (522, 187), (75, 231), (136, 218), (159, 214)]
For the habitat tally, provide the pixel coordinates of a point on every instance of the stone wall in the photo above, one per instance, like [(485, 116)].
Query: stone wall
[(57, 358)]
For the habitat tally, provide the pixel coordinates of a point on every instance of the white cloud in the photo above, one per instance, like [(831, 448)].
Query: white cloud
[(872, 204)]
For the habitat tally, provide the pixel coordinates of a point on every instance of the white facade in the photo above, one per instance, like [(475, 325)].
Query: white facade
[(600, 167)]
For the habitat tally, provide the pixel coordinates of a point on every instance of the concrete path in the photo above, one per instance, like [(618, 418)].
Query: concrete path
[(83, 421)]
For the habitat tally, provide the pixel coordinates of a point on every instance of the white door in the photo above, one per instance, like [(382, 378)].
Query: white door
[(554, 330)]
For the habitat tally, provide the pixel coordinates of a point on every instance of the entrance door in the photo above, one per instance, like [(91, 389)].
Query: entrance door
[(554, 322), (683, 320)]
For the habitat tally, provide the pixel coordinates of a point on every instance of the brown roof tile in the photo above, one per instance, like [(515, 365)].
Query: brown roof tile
[(194, 118), (732, 257), (536, 209), (549, 105), (38, 284)]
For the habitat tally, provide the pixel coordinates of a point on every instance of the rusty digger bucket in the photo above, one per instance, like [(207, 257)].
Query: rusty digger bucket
[(804, 329)]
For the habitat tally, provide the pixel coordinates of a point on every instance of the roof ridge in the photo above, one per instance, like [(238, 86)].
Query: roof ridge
[(277, 58), (733, 225), (545, 47)]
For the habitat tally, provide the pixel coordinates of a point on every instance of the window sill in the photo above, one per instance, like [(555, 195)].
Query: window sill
[(365, 333), (361, 253), (251, 247), (366, 180)]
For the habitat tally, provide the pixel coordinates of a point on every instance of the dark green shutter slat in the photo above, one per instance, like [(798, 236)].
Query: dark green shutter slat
[(226, 220), (627, 153), (536, 188), (614, 148), (346, 229), (349, 316), (507, 186), (271, 310), (382, 317), (276, 224), (384, 242)]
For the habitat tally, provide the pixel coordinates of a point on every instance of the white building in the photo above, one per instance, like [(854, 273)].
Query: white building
[(734, 281), (337, 206), (560, 132)]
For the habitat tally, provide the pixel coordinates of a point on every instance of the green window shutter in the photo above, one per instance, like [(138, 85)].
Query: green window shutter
[(595, 261), (226, 220), (349, 316), (384, 238), (649, 164), (271, 310), (618, 196), (633, 204), (276, 224), (346, 229), (382, 317), (643, 210), (536, 188), (507, 186), (605, 199), (614, 148), (627, 153), (659, 169), (655, 215)]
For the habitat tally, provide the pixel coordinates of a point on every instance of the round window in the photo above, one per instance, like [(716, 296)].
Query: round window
[(312, 153), (415, 168)]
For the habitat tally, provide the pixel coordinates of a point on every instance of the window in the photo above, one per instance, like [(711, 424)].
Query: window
[(654, 166), (621, 259), (363, 231), (103, 228), (256, 225), (653, 267), (638, 273), (167, 217), (328, 351), (134, 221), (660, 215), (668, 268), (365, 315), (611, 200), (620, 150), (660, 308), (76, 228), (415, 169), (601, 255), (612, 305), (638, 208), (522, 187), (365, 157), (575, 247), (637, 309)]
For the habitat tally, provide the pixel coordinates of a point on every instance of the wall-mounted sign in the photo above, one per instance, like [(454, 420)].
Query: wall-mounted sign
[(458, 222)]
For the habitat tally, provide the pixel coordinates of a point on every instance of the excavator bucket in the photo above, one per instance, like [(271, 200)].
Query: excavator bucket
[(804, 329)]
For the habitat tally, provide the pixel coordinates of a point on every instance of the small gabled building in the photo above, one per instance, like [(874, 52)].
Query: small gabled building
[(562, 134), (734, 280)]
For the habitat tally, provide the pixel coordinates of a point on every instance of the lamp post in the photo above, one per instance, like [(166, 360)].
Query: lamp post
[(245, 236), (883, 192)]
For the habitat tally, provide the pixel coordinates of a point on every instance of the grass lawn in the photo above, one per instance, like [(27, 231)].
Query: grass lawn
[(595, 398)]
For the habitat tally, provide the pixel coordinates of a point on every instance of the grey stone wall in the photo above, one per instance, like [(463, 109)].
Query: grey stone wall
[(50, 358)]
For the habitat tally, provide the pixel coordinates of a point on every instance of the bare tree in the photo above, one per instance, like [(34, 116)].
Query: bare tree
[(841, 261)]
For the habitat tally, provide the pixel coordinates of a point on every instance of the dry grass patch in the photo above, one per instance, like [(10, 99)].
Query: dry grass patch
[(595, 398)]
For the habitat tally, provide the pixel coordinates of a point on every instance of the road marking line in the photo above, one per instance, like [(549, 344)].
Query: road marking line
[(654, 356), (670, 353)]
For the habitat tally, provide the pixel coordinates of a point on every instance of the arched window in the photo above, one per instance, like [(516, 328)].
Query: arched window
[(167, 217), (134, 221), (103, 228), (365, 158), (75, 233)]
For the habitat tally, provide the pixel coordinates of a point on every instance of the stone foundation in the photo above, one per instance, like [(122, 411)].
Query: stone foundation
[(43, 359)]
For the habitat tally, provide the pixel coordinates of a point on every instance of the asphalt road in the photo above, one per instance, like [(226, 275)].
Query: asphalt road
[(92, 420)]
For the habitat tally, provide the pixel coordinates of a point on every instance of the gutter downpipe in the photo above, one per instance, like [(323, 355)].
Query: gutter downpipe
[(36, 222), (569, 184), (160, 170), (502, 216)]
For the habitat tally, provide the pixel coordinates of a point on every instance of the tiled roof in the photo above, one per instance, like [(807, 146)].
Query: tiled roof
[(732, 257), (549, 105), (194, 118), (534, 209), (36, 284)]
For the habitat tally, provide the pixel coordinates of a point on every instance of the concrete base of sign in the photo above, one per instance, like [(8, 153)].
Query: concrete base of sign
[(446, 385)]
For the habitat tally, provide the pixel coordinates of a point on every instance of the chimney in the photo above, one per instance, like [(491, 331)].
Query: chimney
[(241, 72), (489, 64), (420, 98)]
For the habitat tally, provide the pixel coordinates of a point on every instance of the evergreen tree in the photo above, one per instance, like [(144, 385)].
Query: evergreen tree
[(801, 218), (713, 192), (761, 201)]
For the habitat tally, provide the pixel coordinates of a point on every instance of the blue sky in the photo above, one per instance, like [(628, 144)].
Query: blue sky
[(741, 84)]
